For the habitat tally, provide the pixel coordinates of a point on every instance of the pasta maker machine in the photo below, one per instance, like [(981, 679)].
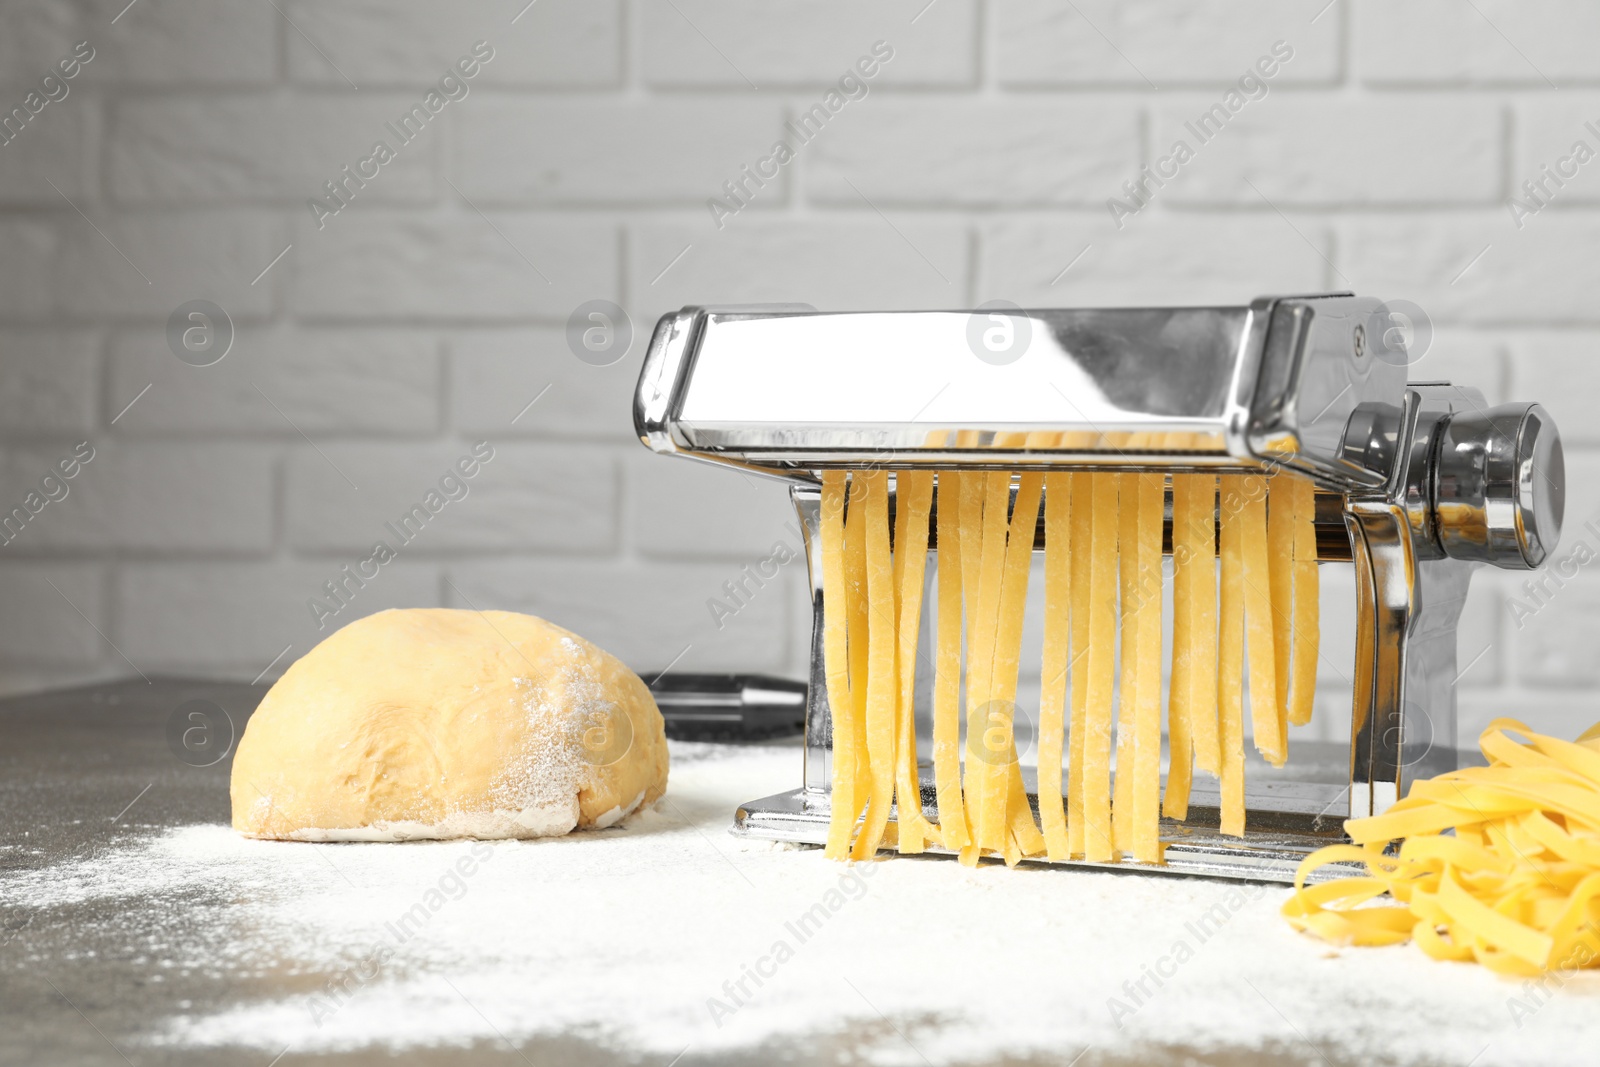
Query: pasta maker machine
[(1417, 484)]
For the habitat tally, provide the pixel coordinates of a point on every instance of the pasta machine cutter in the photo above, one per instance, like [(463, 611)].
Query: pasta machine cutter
[(1417, 483)]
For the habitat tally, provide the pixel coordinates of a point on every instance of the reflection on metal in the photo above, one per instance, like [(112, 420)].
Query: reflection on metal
[(1417, 484)]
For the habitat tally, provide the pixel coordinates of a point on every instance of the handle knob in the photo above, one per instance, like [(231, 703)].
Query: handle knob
[(1500, 486)]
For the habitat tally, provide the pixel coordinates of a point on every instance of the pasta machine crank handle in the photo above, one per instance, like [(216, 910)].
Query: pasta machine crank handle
[(1472, 485)]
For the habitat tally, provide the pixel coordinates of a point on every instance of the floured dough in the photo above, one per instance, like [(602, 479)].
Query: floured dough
[(436, 723)]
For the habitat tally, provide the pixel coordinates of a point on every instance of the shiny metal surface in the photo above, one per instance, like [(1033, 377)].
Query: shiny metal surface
[(1409, 596), (1500, 485), (1417, 457), (700, 706), (1315, 377), (893, 379), (818, 769), (1271, 384), (664, 363), (1403, 718)]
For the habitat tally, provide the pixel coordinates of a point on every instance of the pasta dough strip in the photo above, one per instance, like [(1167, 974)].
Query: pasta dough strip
[(1258, 621), (947, 669), (1023, 836), (1230, 654), (991, 826), (1146, 823), (1053, 669), (972, 496), (1128, 695), (1082, 567), (972, 489), (1281, 523), (881, 687), (1180, 698), (1097, 842), (845, 805), (1307, 620), (914, 498), (1008, 793), (1202, 531), (855, 577)]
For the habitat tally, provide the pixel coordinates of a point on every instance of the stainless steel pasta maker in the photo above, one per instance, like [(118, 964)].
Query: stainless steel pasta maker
[(1417, 484)]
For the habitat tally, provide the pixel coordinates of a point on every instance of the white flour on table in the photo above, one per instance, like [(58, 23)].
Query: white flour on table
[(669, 934)]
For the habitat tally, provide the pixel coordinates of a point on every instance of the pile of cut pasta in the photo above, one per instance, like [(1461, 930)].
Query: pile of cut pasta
[(1498, 864), (1102, 654)]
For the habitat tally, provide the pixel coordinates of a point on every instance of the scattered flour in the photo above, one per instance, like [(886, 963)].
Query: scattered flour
[(642, 937)]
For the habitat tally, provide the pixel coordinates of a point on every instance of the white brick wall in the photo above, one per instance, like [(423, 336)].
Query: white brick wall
[(452, 266), (554, 153), (197, 151), (555, 44), (1086, 45), (428, 313)]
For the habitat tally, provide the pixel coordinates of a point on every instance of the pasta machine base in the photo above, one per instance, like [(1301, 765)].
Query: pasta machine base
[(1268, 855), (1287, 819)]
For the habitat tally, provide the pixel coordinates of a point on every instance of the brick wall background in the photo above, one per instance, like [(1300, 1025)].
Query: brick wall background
[(370, 352)]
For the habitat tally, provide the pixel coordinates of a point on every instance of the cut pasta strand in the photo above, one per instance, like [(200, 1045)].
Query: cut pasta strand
[(1097, 843), (915, 495), (982, 733), (1230, 654), (1281, 501), (1082, 566), (1307, 623), (880, 687), (1006, 774), (1055, 659), (846, 805), (1147, 712), (972, 499), (1201, 537), (1180, 699), (947, 669), (1129, 674), (855, 581), (1258, 622)]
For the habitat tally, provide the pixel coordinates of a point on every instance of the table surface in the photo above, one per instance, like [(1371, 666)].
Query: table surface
[(136, 929)]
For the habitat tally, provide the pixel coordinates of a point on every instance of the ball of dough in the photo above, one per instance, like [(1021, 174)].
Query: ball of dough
[(435, 723)]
